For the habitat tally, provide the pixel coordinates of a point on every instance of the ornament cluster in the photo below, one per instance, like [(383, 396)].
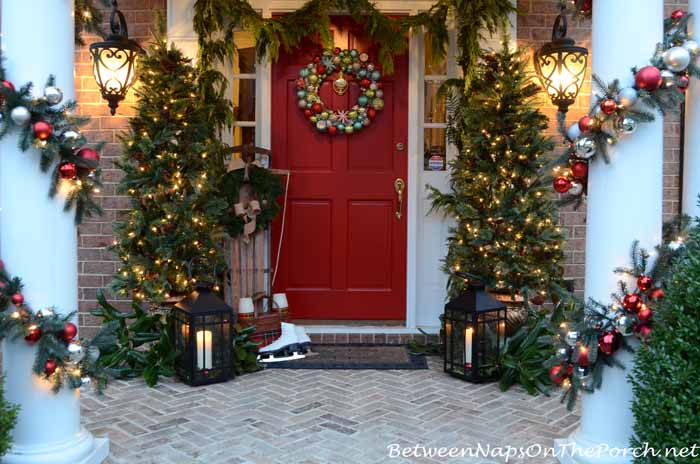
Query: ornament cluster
[(618, 110), (47, 124), (60, 358), (350, 65)]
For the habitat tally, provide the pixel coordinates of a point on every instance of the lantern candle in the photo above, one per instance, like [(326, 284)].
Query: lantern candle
[(204, 349), (468, 334)]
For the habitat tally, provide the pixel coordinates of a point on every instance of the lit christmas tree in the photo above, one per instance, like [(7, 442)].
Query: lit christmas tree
[(172, 161), (506, 232)]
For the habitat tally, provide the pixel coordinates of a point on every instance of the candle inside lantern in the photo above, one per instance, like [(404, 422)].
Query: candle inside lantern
[(468, 333), (204, 349)]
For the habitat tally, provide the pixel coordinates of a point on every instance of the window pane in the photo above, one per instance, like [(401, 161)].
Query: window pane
[(431, 68), (434, 151), (434, 107), (244, 99), (244, 59), (243, 135)]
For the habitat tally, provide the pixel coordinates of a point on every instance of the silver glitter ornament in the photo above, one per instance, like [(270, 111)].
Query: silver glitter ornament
[(20, 115), (627, 125), (624, 323), (585, 147), (576, 189), (76, 353), (571, 338), (563, 353), (627, 97), (668, 79), (676, 58), (692, 46), (573, 131), (53, 95)]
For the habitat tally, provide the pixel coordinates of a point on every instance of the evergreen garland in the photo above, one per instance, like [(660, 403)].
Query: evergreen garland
[(88, 18)]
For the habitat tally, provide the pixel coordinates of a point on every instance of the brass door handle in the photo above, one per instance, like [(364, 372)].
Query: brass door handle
[(399, 187)]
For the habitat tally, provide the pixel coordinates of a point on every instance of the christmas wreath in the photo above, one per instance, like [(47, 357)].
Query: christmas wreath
[(350, 65), (252, 192)]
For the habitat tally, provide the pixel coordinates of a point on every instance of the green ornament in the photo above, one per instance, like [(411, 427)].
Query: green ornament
[(311, 97), (303, 72), (341, 127), (349, 129), (313, 119), (301, 93), (347, 60), (324, 115), (354, 53), (362, 100), (357, 125), (369, 93), (378, 103), (352, 114)]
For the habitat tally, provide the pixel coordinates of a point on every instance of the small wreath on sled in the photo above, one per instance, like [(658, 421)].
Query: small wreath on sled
[(252, 192), (350, 65)]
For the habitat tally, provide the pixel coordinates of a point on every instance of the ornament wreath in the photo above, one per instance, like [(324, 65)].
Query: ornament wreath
[(48, 125), (618, 110), (588, 336), (346, 62), (59, 358)]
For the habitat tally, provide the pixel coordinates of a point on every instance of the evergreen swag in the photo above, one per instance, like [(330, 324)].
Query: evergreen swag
[(666, 404), (216, 20), (506, 232)]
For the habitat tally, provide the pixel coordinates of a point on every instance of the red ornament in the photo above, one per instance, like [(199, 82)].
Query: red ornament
[(583, 360), (34, 335), (308, 113), (332, 130), (68, 171), (644, 331), (644, 283), (683, 83), (70, 330), (42, 130), (562, 184), (365, 83), (587, 6), (585, 124), (648, 78), (88, 154), (557, 374), (317, 59), (337, 50), (657, 294), (300, 83), (609, 342), (2, 265), (8, 85), (645, 314), (371, 113), (17, 299), (677, 14), (321, 69), (632, 302), (537, 300), (317, 107), (380, 85), (50, 367), (579, 169), (608, 106)]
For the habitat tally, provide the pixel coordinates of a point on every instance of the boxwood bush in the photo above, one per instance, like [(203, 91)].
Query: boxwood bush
[(665, 376), (8, 418)]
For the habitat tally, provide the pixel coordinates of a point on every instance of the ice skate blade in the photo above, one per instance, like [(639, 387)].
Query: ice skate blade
[(273, 359)]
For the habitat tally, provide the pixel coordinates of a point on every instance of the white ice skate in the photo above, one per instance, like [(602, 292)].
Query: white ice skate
[(285, 348), (303, 339)]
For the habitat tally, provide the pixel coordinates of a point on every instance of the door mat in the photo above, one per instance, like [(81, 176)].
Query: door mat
[(356, 356)]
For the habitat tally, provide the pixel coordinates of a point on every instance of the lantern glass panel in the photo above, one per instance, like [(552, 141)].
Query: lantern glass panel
[(561, 68)]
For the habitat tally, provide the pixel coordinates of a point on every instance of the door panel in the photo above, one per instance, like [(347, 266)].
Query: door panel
[(344, 249)]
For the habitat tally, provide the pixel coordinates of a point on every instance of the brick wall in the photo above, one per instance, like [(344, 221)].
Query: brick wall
[(96, 265), (535, 20)]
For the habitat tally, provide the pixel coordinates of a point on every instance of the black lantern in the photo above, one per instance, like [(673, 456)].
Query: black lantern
[(203, 335), (475, 324), (561, 65), (114, 60)]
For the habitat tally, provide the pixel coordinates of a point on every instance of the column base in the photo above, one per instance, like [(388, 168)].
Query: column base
[(578, 450), (85, 449)]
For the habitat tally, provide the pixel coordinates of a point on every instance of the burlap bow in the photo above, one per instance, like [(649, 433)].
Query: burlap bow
[(247, 207)]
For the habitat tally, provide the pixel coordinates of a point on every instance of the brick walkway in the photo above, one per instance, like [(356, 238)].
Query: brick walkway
[(316, 416)]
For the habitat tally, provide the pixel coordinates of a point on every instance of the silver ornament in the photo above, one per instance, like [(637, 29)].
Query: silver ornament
[(571, 338), (370, 67), (302, 103), (20, 115), (76, 353), (585, 147), (627, 97), (563, 353), (379, 93), (626, 125), (667, 78), (576, 189), (573, 131), (85, 381), (53, 95), (624, 323), (71, 137), (584, 377), (321, 125), (692, 46), (676, 58)]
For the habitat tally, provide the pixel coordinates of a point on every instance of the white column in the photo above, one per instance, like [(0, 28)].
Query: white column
[(624, 204), (38, 241), (691, 167)]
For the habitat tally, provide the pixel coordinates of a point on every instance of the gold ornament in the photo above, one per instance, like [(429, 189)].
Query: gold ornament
[(340, 85)]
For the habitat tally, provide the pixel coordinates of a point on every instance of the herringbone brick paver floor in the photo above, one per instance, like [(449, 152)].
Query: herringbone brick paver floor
[(319, 416)]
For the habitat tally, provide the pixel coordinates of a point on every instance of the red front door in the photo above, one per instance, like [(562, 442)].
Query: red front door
[(344, 247)]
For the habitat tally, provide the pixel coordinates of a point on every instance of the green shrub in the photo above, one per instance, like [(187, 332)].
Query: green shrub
[(667, 392), (8, 419)]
